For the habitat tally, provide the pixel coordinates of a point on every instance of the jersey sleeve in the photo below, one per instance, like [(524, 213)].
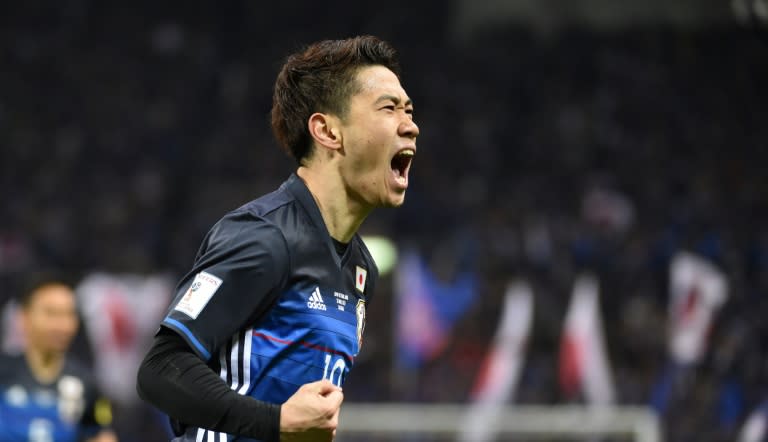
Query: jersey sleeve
[(374, 279), (240, 267)]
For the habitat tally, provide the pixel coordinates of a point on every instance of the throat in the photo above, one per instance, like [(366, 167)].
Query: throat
[(45, 367), (341, 247), (341, 212)]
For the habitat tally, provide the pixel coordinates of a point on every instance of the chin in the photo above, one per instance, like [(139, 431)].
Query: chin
[(394, 202)]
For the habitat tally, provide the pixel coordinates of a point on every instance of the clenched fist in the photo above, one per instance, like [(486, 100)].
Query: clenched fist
[(312, 413)]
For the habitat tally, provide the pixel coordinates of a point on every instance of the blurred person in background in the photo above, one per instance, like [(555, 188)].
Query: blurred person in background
[(265, 328), (45, 394)]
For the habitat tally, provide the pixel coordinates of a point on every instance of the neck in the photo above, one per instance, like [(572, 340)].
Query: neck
[(341, 213), (45, 366)]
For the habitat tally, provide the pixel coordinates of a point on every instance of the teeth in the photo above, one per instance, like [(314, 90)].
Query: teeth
[(407, 153)]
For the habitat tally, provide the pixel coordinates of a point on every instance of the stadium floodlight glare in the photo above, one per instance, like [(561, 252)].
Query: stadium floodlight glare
[(383, 251)]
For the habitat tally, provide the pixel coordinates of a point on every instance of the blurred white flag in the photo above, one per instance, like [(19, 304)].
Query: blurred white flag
[(754, 429), (584, 365), (121, 313), (697, 291), (497, 382)]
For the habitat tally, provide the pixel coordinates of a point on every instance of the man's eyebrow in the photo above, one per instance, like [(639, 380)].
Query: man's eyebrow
[(394, 99)]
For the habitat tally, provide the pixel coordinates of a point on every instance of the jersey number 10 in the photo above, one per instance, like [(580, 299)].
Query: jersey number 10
[(338, 366)]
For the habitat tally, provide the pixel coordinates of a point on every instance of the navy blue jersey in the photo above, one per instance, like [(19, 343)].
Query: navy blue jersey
[(269, 304), (31, 411)]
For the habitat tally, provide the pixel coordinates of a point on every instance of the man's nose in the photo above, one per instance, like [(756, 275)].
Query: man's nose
[(408, 128)]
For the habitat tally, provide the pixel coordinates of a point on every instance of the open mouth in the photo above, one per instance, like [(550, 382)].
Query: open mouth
[(401, 163)]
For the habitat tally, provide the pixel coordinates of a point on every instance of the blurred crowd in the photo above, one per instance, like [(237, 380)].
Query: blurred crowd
[(125, 132)]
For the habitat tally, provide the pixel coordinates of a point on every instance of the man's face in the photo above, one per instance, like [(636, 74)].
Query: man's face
[(50, 320), (379, 139)]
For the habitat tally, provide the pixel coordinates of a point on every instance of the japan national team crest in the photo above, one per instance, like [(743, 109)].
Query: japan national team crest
[(360, 312)]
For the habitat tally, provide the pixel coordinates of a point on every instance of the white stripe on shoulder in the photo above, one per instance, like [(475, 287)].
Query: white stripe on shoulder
[(223, 361), (235, 366), (200, 435), (246, 362)]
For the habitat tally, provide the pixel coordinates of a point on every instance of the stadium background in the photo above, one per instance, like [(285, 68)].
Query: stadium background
[(126, 130)]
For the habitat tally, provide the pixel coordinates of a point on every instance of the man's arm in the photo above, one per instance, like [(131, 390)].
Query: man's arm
[(96, 420), (103, 436), (177, 381)]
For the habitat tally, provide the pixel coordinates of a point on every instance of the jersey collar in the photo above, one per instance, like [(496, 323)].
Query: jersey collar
[(299, 189)]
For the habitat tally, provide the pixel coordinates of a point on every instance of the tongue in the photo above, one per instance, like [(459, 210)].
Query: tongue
[(395, 167)]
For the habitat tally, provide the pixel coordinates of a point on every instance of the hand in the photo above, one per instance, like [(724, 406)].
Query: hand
[(312, 413), (103, 436)]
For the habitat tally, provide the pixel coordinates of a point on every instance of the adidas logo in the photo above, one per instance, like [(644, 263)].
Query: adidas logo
[(316, 300)]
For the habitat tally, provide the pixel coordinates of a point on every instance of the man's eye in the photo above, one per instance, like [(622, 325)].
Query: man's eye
[(390, 107), (409, 111)]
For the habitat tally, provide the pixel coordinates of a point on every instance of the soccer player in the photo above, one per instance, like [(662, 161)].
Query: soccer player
[(266, 326), (45, 395)]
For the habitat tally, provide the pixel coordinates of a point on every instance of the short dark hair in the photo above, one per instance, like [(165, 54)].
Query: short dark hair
[(321, 78), (33, 283)]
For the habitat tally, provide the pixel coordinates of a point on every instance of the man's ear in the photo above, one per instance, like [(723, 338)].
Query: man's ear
[(324, 129)]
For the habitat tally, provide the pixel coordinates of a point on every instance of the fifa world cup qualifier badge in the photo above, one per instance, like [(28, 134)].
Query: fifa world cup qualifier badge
[(360, 312), (199, 293)]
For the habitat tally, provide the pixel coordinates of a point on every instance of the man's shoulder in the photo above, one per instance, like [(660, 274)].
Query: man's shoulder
[(11, 357), (75, 368), (272, 208), (10, 365), (265, 205), (255, 215), (284, 209), (264, 220)]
